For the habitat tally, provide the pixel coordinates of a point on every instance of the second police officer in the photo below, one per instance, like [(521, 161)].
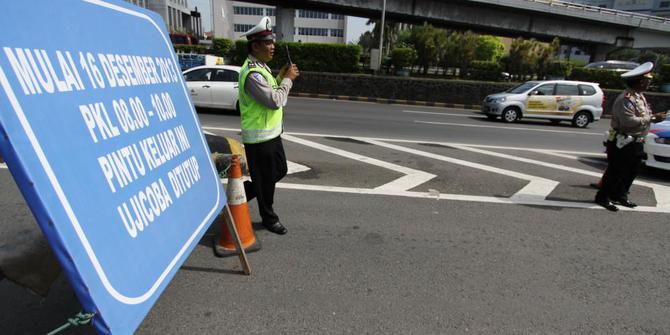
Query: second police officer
[(631, 118)]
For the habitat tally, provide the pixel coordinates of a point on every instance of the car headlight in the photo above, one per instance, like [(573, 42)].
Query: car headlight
[(662, 140)]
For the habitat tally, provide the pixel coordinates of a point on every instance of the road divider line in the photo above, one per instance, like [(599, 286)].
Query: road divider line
[(538, 188), (506, 128), (412, 178), (446, 114)]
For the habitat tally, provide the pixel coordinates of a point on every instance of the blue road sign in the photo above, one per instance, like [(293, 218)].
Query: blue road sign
[(97, 128)]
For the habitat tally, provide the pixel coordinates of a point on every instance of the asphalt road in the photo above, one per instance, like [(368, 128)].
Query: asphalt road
[(403, 224)]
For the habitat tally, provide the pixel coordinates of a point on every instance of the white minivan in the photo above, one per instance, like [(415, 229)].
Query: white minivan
[(557, 100)]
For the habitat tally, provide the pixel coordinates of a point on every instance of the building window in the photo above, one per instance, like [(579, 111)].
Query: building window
[(242, 28), (337, 32), (255, 11), (312, 14), (269, 12), (336, 17), (664, 4), (312, 31)]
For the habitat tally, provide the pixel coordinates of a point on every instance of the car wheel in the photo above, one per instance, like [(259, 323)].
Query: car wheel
[(581, 120), (510, 114)]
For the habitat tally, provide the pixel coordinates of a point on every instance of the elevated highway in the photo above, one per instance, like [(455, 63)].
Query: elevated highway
[(600, 28)]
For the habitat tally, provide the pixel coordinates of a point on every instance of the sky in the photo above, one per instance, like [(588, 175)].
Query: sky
[(354, 30)]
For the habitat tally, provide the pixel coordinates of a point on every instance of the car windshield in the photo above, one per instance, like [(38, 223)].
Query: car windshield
[(522, 88)]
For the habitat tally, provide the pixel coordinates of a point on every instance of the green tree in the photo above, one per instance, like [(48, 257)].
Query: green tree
[(522, 58), (489, 48), (466, 44), (428, 42), (366, 41), (391, 33), (545, 54)]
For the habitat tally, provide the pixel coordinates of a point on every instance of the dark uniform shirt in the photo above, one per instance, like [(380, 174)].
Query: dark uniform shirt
[(631, 114)]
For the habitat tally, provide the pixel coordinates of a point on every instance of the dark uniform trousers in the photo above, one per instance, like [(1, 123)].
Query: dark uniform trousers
[(623, 166), (267, 166)]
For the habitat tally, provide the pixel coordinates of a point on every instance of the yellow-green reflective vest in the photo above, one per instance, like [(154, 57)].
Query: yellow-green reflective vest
[(259, 123)]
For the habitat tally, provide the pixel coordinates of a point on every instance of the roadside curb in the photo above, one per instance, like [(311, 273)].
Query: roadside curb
[(385, 101), (395, 101)]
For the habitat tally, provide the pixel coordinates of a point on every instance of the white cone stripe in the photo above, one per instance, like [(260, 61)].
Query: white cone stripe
[(235, 192)]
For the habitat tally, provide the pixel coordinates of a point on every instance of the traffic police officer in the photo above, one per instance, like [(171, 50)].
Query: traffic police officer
[(631, 117), (262, 98)]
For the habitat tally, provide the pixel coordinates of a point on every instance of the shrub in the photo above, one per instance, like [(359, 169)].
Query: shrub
[(321, 57), (606, 78), (561, 69), (485, 70), (403, 57), (185, 48), (222, 47)]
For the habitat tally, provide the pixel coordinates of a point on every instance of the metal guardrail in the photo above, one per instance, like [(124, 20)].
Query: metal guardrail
[(606, 11)]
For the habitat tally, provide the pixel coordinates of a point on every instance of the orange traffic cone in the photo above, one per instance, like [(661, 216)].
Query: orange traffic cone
[(237, 202)]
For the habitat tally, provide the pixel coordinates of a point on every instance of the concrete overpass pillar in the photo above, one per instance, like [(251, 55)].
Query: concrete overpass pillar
[(285, 24), (599, 52)]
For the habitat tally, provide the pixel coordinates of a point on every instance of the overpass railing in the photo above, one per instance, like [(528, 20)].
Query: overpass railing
[(602, 10)]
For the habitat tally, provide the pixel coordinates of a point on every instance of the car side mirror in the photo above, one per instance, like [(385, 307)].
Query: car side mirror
[(533, 93)]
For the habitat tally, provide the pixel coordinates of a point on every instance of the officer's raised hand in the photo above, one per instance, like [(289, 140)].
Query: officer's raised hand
[(658, 117), (289, 71)]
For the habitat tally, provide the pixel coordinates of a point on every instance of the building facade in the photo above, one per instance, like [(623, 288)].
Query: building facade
[(648, 7), (176, 14), (231, 19)]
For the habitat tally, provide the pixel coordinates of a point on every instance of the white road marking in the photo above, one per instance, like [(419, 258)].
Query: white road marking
[(662, 192), (295, 167), (537, 189), (590, 160), (412, 178), (462, 197), (507, 128), (292, 167), (394, 140), (447, 114)]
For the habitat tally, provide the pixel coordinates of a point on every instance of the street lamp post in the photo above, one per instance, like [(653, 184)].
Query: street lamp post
[(381, 35)]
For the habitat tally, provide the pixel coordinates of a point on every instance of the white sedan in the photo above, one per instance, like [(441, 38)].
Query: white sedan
[(657, 145), (213, 86)]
